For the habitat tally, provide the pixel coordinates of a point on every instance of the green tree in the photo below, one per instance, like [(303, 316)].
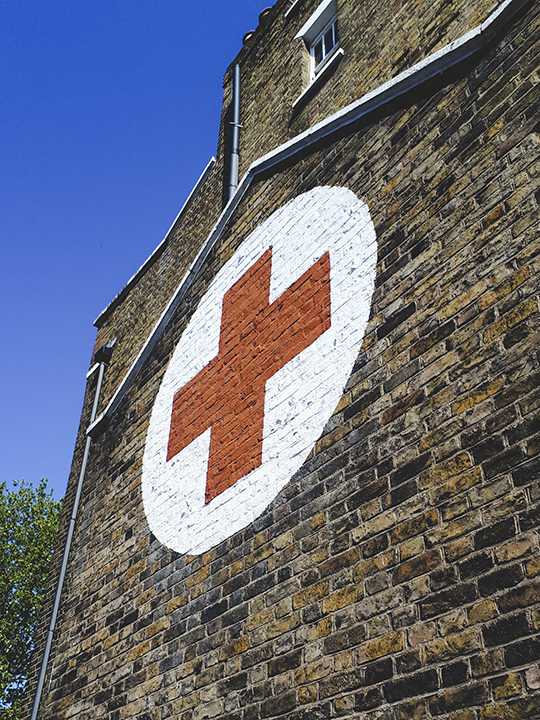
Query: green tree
[(28, 526)]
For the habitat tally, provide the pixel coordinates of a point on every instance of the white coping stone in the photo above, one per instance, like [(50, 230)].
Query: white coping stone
[(299, 398)]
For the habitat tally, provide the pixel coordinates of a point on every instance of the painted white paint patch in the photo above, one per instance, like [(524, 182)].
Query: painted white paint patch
[(299, 398)]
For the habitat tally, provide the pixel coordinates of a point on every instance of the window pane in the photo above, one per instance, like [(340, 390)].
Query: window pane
[(318, 52), (329, 40)]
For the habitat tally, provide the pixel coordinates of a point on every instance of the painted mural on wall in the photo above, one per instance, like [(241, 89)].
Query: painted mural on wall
[(259, 370)]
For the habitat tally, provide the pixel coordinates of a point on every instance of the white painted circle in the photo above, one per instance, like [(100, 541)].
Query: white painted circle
[(299, 398)]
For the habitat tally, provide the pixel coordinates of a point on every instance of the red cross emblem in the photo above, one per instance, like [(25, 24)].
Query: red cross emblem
[(256, 340)]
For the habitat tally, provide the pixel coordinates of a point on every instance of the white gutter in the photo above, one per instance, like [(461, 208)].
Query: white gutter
[(426, 69)]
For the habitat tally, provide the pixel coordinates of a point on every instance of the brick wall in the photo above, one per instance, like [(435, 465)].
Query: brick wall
[(396, 575)]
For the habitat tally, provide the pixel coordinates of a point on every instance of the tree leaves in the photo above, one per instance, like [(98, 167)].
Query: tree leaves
[(28, 526)]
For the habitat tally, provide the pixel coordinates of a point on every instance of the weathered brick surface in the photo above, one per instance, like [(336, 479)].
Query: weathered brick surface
[(396, 575)]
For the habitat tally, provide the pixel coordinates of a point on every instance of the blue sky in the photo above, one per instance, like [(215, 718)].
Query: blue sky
[(109, 112)]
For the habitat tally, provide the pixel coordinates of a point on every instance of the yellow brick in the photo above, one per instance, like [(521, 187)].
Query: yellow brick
[(399, 346), (370, 567), (260, 539), (313, 671), (477, 396), (411, 548), (238, 646), (368, 341), (344, 402), (435, 437), (321, 629), (513, 317), (505, 288), (452, 646), (139, 650), (370, 509), (514, 549), (137, 568), (307, 694), (463, 715), (109, 568), (340, 599), (333, 437), (360, 389), (453, 622), (99, 636), (145, 597), (175, 603), (533, 567), (199, 576), (110, 641), (458, 549), (487, 663), (412, 710), (386, 645), (282, 625), (482, 611), (262, 553), (344, 661), (510, 687), (444, 471), (466, 298), (236, 567), (377, 524), (157, 627), (454, 529), (456, 485), (310, 594), (493, 216), (186, 703), (281, 542), (345, 705), (394, 182), (494, 129), (284, 607), (209, 557), (258, 619), (189, 668)]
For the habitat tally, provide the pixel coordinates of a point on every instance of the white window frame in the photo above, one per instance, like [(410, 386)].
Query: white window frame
[(316, 67), (311, 32)]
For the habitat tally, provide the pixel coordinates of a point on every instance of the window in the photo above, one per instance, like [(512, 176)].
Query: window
[(323, 46), (320, 35)]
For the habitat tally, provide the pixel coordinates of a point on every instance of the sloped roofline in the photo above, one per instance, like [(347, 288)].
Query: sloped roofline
[(104, 314)]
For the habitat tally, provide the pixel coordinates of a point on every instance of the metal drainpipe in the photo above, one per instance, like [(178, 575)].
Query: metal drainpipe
[(102, 357), (233, 174)]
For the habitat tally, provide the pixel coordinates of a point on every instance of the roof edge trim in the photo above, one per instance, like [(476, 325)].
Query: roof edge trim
[(104, 314)]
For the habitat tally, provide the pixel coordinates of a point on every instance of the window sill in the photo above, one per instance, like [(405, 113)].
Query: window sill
[(332, 61)]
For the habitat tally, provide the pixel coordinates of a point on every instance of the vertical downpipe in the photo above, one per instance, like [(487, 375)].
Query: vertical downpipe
[(102, 357), (233, 174)]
